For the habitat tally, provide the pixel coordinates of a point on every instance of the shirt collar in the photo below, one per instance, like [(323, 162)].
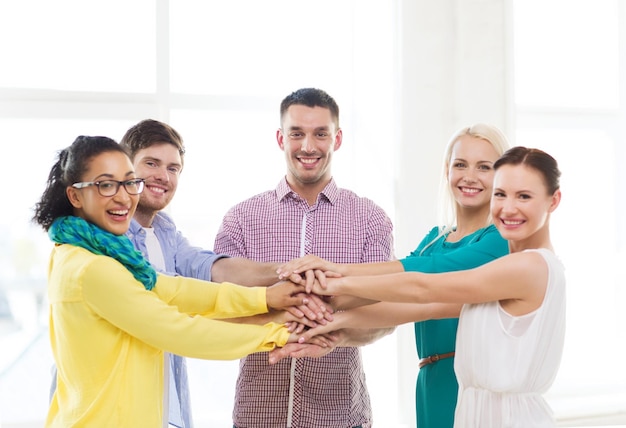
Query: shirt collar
[(134, 227), (161, 220), (329, 193)]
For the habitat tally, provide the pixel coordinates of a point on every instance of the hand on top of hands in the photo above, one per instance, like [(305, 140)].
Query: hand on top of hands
[(285, 294), (308, 270), (316, 277), (314, 308), (312, 334), (302, 309), (315, 342), (317, 347)]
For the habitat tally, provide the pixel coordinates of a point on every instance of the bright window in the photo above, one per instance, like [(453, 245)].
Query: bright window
[(306, 44), (566, 53), (568, 102), (74, 45), (217, 72)]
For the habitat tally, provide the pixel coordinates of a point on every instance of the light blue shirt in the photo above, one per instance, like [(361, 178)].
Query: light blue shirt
[(181, 258)]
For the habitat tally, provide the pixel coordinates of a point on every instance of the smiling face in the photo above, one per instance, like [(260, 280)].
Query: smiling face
[(521, 206), (470, 172), (308, 136), (111, 213), (160, 165)]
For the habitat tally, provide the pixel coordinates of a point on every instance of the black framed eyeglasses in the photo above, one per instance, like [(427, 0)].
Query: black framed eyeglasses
[(111, 187)]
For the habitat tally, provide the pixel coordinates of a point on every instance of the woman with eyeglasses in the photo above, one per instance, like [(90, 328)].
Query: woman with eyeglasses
[(111, 315)]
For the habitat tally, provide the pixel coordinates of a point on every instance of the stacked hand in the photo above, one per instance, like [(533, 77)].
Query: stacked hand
[(312, 314), (309, 270), (316, 347), (316, 341), (306, 308), (315, 331)]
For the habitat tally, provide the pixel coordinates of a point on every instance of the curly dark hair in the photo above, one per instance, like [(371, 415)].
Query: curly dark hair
[(71, 164), (149, 132)]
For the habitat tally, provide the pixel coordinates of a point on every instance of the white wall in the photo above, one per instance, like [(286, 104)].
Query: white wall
[(453, 70)]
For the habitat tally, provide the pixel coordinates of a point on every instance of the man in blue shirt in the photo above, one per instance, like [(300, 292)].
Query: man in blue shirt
[(157, 152)]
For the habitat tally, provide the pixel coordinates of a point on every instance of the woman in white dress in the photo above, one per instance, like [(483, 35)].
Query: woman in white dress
[(512, 310)]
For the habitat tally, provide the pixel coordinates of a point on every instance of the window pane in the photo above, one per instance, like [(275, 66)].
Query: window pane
[(232, 151), (249, 47), (78, 45), (231, 155), (566, 53)]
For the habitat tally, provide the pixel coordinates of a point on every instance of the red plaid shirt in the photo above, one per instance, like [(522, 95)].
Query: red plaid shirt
[(277, 226)]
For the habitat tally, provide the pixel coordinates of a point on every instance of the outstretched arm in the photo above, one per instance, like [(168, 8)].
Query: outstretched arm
[(310, 264), (384, 315), (362, 326), (284, 294), (519, 276), (339, 338), (244, 272), (276, 316)]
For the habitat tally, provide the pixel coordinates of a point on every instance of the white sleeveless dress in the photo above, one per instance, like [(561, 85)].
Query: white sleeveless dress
[(504, 364)]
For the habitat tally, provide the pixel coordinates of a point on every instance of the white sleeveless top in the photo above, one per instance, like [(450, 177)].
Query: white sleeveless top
[(504, 363)]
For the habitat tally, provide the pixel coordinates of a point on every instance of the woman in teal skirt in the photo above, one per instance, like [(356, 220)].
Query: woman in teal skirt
[(464, 239), (436, 390)]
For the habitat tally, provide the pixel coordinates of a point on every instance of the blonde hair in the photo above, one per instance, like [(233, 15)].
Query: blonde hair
[(447, 212)]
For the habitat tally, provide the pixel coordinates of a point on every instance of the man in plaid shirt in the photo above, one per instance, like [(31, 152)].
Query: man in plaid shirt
[(306, 214)]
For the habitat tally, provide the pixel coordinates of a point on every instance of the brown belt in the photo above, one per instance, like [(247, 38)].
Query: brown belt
[(434, 358)]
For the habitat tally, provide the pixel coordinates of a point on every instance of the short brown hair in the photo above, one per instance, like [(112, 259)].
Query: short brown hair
[(148, 133)]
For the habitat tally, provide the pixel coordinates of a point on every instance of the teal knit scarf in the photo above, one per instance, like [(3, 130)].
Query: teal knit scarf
[(79, 232)]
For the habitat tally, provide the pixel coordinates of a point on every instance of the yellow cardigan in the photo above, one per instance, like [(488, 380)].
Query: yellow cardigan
[(108, 334)]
